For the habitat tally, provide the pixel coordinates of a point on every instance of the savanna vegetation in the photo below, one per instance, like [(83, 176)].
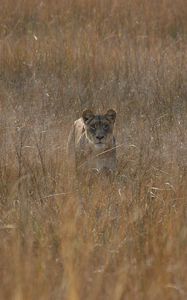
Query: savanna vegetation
[(56, 59)]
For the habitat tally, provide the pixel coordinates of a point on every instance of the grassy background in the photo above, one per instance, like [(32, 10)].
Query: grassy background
[(57, 58)]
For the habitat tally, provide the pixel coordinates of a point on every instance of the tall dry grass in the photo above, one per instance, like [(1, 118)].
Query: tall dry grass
[(57, 58)]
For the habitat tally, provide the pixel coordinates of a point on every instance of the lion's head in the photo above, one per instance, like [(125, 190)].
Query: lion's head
[(99, 128)]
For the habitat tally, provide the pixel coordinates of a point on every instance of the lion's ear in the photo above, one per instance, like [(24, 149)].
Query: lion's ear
[(111, 115), (87, 115)]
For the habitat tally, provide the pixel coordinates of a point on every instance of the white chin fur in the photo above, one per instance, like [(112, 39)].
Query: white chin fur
[(99, 146)]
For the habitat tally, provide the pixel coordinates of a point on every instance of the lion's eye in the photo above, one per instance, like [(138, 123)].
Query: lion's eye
[(105, 127), (93, 127)]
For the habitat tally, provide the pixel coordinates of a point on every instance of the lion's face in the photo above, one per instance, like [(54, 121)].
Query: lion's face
[(99, 128)]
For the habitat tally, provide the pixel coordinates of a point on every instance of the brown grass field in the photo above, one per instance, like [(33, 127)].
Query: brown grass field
[(56, 59)]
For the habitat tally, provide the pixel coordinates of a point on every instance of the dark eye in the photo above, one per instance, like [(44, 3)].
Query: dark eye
[(92, 127), (105, 126)]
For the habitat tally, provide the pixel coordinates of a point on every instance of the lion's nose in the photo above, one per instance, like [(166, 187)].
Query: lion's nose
[(99, 137)]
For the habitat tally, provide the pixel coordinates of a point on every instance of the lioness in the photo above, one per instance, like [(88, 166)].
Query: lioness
[(91, 143)]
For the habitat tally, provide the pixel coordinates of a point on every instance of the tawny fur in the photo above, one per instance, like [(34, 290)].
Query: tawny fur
[(92, 149)]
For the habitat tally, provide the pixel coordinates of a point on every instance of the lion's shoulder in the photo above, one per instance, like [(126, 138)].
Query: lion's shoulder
[(77, 139)]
